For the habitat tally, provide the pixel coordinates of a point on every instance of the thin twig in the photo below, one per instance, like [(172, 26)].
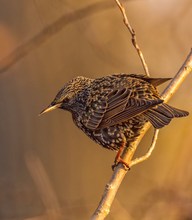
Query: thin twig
[(112, 187), (133, 37), (149, 152)]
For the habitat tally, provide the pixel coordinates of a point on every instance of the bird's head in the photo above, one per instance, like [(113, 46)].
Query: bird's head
[(65, 97)]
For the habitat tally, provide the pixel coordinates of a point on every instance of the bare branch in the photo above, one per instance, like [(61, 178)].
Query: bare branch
[(50, 31), (149, 152), (109, 194), (133, 37), (112, 187), (185, 69)]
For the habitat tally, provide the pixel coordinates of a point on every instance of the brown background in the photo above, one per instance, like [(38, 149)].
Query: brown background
[(48, 168)]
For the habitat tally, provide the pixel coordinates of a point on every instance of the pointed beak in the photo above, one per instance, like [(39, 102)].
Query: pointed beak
[(50, 108)]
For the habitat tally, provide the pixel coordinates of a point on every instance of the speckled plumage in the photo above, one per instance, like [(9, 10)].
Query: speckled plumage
[(114, 108)]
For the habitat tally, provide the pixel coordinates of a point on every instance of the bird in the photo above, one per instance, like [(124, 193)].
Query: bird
[(113, 109)]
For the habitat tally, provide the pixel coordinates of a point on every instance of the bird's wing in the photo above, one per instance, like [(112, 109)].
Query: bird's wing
[(118, 106)]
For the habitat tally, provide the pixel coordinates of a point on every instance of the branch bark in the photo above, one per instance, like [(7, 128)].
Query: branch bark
[(114, 183)]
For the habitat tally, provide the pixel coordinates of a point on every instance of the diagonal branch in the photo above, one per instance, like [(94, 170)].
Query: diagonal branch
[(50, 31), (133, 37), (118, 175)]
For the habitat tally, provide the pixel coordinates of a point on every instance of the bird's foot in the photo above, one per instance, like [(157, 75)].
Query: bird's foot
[(120, 160)]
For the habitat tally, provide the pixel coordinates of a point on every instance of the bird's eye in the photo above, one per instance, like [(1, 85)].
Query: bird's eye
[(66, 100)]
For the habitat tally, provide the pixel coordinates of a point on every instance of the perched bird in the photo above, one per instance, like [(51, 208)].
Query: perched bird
[(112, 110)]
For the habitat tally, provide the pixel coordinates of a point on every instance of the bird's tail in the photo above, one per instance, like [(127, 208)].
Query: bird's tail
[(163, 114)]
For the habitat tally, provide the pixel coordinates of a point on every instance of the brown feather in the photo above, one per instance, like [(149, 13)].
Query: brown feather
[(157, 81)]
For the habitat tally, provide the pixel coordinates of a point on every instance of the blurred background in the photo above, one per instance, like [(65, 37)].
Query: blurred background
[(48, 168)]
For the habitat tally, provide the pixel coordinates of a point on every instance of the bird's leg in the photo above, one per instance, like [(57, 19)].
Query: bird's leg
[(118, 158)]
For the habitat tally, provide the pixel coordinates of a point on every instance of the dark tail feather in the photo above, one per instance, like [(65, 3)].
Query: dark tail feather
[(163, 114), (174, 112), (157, 81)]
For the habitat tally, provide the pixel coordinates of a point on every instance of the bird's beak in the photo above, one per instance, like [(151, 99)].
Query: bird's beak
[(50, 108)]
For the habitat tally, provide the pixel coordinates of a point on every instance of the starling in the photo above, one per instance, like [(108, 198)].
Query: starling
[(112, 110)]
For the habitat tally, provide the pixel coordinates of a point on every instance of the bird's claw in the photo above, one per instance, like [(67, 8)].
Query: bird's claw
[(120, 160), (114, 165)]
